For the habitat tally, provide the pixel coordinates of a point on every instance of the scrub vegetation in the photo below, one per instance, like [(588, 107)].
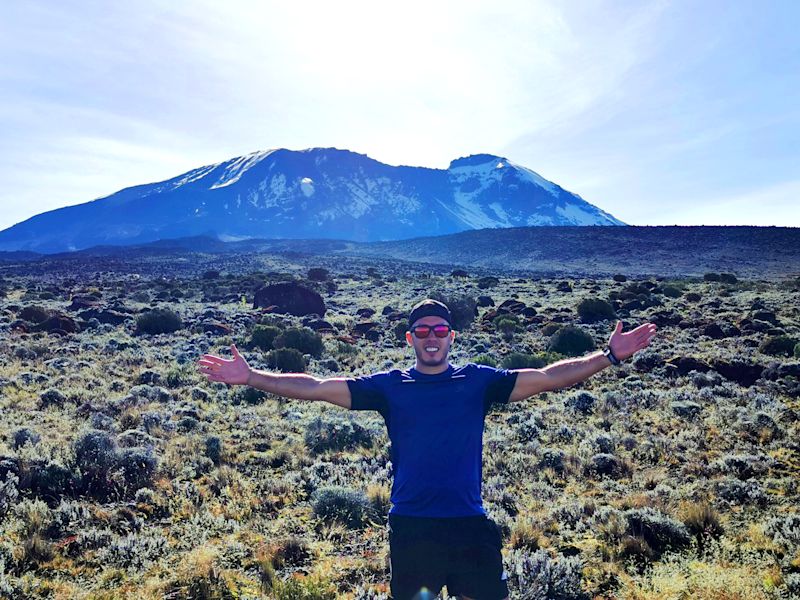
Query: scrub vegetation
[(124, 474)]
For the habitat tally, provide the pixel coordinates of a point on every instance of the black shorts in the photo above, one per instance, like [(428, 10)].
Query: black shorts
[(462, 553)]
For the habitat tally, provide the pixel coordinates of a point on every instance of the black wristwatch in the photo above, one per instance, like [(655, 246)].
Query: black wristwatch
[(610, 356)]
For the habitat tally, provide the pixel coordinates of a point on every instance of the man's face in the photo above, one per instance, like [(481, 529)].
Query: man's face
[(431, 351)]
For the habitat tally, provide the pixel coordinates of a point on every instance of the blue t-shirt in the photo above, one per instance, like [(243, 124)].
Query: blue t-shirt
[(435, 424)]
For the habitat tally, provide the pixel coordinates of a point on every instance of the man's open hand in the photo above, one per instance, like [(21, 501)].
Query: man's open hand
[(625, 345), (235, 371)]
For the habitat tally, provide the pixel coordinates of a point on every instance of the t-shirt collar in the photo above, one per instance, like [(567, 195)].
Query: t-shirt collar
[(427, 376)]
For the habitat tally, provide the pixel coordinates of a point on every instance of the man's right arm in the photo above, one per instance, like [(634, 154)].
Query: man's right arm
[(302, 387), (236, 371)]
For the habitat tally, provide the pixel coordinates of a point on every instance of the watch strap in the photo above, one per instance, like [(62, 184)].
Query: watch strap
[(610, 355)]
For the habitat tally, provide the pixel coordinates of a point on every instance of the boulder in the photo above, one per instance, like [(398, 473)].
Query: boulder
[(290, 298), (682, 365), (745, 374), (60, 324)]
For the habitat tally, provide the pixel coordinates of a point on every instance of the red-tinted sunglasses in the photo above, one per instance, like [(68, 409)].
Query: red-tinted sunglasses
[(423, 331)]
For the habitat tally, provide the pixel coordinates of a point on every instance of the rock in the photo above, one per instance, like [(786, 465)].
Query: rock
[(59, 324), (564, 286), (83, 302), (682, 365), (112, 317), (365, 313), (319, 325), (662, 318), (215, 328), (387, 310), (511, 306), (290, 298), (484, 301), (765, 315), (745, 374), (361, 329)]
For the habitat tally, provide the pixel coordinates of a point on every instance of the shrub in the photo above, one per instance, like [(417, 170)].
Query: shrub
[(507, 325), (158, 320), (50, 482), (740, 492), (582, 402), (286, 360), (463, 308), (399, 331), (336, 433), (591, 310), (318, 274), (292, 552), (520, 360), (538, 577), (571, 341), (22, 436), (702, 522), (210, 274), (95, 455), (136, 466), (305, 340), (264, 336), (345, 505), (671, 291), (606, 465), (485, 359), (728, 278), (661, 532), (9, 493), (785, 531), (213, 448), (711, 277), (797, 350), (779, 345), (550, 329)]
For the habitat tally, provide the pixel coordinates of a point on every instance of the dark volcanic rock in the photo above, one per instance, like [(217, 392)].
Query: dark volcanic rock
[(681, 365), (290, 298), (58, 324), (83, 302), (742, 373), (109, 316), (484, 301)]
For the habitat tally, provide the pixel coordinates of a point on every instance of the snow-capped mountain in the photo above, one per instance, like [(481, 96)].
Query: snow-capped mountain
[(314, 193)]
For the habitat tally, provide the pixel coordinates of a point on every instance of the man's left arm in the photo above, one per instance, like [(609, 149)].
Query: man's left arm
[(567, 372)]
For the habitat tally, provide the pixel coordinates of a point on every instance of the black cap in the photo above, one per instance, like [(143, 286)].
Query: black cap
[(429, 308)]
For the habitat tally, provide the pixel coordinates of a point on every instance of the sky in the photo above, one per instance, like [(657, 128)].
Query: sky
[(659, 112)]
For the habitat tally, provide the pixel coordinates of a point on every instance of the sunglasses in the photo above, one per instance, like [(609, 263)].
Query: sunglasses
[(423, 331)]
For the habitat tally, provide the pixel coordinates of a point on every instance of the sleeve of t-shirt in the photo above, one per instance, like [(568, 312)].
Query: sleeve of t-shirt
[(499, 387), (368, 392)]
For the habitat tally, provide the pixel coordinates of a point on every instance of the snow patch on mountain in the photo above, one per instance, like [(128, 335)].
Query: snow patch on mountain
[(238, 167)]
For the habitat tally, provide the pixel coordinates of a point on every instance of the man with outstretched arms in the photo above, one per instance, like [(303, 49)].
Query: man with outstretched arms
[(439, 533)]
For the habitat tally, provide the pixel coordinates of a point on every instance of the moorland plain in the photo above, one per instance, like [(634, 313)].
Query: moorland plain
[(124, 474)]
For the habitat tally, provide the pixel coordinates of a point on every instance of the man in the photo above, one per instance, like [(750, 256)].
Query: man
[(439, 533)]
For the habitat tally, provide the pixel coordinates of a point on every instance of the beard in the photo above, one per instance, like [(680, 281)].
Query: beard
[(434, 360)]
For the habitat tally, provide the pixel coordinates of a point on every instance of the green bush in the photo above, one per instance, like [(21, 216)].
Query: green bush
[(571, 341), (797, 350), (305, 340), (506, 323), (345, 505), (520, 360), (264, 336), (550, 329), (728, 278), (287, 360), (485, 359), (779, 345), (158, 320), (592, 310), (711, 277)]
